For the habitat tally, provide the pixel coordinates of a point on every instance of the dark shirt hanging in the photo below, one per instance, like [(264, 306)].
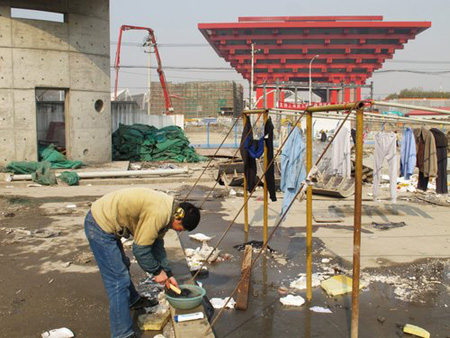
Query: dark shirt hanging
[(441, 149), (249, 162), (270, 175)]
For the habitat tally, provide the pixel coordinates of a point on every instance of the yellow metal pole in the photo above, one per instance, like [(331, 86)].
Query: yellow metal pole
[(266, 200), (357, 222), (335, 107), (309, 208), (244, 119)]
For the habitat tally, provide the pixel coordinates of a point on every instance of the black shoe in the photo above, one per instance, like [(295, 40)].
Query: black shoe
[(144, 302)]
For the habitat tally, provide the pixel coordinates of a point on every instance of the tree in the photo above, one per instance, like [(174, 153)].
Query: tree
[(418, 93)]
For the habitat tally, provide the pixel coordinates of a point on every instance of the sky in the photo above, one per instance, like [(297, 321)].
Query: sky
[(182, 45)]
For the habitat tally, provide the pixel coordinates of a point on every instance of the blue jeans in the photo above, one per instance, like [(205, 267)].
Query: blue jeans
[(114, 267)]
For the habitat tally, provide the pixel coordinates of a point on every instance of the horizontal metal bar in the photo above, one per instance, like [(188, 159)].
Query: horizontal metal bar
[(367, 117), (335, 107), (255, 111), (408, 106)]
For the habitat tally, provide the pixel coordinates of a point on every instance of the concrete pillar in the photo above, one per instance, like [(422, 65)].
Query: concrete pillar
[(334, 96), (260, 97), (72, 56), (346, 94), (358, 94)]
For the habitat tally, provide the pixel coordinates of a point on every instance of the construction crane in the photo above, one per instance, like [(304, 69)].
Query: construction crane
[(162, 78)]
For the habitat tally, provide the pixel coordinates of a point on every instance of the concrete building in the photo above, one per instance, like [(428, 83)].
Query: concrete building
[(64, 49)]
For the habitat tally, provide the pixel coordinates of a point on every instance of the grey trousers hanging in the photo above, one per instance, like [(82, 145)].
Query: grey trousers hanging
[(385, 147)]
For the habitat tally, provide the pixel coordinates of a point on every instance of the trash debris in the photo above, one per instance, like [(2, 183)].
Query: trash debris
[(168, 166), (34, 185), (67, 264), (320, 309), (388, 225), (200, 237), (58, 333), (219, 303), (414, 282), (282, 290), (416, 331), (224, 257), (291, 300), (328, 217), (255, 244), (71, 206), (135, 166), (195, 257), (325, 260), (338, 285), (84, 258), (45, 234), (23, 233), (300, 283)]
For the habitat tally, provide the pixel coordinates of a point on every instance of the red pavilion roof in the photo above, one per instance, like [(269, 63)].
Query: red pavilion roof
[(350, 48)]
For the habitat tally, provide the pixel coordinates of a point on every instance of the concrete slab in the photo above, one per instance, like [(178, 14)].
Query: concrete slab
[(406, 244)]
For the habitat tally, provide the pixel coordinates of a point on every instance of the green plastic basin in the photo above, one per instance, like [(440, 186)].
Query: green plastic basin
[(194, 300)]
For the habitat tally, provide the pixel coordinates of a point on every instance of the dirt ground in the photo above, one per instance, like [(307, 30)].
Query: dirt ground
[(51, 282)]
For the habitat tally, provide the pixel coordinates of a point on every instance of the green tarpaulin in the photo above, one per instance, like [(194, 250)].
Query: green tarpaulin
[(69, 177), (58, 160), (41, 172), (140, 142)]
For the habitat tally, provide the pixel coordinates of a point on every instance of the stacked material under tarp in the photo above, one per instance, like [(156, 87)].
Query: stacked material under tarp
[(140, 142)]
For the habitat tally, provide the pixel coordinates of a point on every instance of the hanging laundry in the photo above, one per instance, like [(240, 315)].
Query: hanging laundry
[(255, 148), (353, 133), (385, 147), (270, 174), (426, 156), (249, 161), (323, 136), (408, 154), (441, 151), (340, 154), (293, 170)]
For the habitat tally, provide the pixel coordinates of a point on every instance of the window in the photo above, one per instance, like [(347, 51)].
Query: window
[(19, 13)]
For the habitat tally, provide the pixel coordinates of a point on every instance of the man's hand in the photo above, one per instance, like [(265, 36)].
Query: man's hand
[(172, 281), (161, 278)]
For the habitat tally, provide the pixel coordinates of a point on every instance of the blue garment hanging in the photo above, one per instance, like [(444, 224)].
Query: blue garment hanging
[(255, 148), (407, 154), (293, 170)]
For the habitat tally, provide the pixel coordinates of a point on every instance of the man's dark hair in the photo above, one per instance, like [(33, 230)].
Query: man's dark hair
[(191, 216)]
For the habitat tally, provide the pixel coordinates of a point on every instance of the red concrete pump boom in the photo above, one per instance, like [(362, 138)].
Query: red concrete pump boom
[(162, 78)]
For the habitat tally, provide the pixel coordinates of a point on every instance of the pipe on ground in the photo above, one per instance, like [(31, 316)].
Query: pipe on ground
[(118, 173)]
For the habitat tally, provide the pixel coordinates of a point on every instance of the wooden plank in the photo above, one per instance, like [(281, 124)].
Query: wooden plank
[(193, 329), (244, 288), (223, 152)]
